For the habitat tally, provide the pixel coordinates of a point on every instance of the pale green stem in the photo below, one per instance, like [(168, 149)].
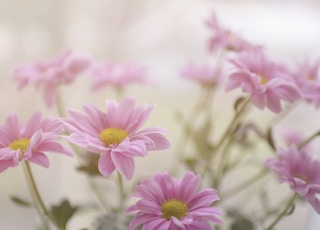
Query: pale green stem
[(60, 106), (119, 93), (245, 184), (283, 213), (40, 206), (101, 198), (231, 125), (122, 194), (201, 106), (306, 141)]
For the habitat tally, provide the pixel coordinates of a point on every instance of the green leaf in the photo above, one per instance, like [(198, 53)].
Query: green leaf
[(20, 201), (90, 167), (242, 223), (270, 139), (60, 214), (238, 103)]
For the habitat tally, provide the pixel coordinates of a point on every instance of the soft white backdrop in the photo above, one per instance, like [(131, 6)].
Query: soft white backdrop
[(163, 34)]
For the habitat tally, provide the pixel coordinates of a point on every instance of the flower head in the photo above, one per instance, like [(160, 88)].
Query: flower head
[(266, 81), (169, 203), (115, 134), (306, 76), (28, 142), (298, 169), (203, 74), (48, 75), (224, 38), (119, 75)]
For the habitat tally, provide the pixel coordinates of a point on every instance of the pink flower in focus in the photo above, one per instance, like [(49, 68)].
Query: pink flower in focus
[(168, 203), (119, 75), (306, 76), (114, 134), (203, 74), (267, 82), (300, 171), (225, 39), (48, 75), (29, 142)]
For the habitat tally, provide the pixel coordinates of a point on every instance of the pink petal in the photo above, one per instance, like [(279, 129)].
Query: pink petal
[(105, 164), (40, 159), (125, 165), (32, 125)]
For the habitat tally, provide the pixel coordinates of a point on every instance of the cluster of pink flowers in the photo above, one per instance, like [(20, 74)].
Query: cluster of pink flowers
[(63, 70), (116, 134), (48, 75)]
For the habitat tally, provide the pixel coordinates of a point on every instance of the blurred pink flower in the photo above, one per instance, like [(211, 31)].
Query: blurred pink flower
[(168, 203), (205, 75), (29, 142), (306, 75), (225, 39), (300, 171), (114, 134), (267, 82), (119, 75), (48, 75)]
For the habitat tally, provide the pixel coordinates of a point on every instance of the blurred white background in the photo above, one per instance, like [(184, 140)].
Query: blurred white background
[(162, 34)]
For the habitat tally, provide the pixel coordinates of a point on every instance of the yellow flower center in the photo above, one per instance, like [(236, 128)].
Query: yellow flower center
[(21, 144), (264, 80), (112, 136), (310, 78), (174, 208), (302, 178)]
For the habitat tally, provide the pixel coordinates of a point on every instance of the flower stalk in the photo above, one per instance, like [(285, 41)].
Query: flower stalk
[(39, 204), (283, 213)]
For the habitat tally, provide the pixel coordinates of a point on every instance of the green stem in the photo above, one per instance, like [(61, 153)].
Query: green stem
[(101, 198), (122, 194), (40, 206), (202, 105), (60, 106), (231, 125), (283, 213), (245, 184), (306, 141)]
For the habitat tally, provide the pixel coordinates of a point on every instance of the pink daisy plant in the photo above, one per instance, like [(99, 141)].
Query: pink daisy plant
[(267, 82), (116, 74), (115, 134), (48, 75), (223, 38), (204, 74), (28, 142), (300, 170), (171, 204), (306, 75)]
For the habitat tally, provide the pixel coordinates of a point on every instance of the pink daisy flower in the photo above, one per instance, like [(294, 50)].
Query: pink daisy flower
[(114, 134), (225, 39), (267, 82), (48, 75), (307, 78), (119, 75), (29, 142), (169, 203), (205, 75), (302, 172)]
